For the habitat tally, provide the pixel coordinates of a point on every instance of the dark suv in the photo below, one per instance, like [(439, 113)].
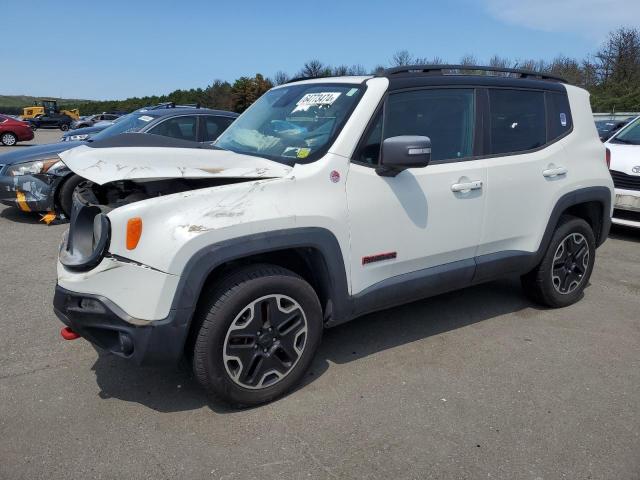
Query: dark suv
[(55, 120), (35, 179)]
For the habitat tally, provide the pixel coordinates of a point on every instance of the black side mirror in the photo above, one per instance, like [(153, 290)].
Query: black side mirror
[(400, 153)]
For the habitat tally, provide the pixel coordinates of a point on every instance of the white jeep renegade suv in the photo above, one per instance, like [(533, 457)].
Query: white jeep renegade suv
[(328, 199)]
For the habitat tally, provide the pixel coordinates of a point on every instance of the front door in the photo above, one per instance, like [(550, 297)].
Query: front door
[(423, 217)]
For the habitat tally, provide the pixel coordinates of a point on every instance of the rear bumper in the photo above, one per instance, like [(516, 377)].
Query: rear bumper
[(103, 323), (25, 134), (30, 193)]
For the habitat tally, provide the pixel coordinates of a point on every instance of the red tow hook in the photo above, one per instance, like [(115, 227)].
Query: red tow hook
[(68, 334)]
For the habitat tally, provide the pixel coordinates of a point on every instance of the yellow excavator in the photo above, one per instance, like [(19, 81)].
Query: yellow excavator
[(48, 107)]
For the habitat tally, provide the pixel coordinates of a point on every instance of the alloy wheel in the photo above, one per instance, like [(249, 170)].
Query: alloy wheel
[(570, 263), (8, 139), (265, 341)]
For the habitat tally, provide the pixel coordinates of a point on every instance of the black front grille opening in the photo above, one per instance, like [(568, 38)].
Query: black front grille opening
[(624, 181), (626, 215)]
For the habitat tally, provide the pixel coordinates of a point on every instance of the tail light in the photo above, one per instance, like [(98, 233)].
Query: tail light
[(608, 158)]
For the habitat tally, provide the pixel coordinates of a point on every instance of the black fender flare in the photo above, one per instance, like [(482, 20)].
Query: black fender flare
[(205, 261), (600, 195)]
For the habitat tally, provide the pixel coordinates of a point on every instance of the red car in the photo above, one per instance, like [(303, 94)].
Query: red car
[(13, 131)]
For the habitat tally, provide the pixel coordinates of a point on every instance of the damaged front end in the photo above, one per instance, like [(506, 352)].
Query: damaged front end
[(121, 177), (87, 240), (31, 192), (124, 192)]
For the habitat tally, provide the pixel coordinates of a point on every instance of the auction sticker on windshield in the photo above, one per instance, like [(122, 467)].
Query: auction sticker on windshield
[(320, 99)]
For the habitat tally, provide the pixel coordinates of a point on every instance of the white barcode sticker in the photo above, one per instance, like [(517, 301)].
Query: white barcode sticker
[(320, 99)]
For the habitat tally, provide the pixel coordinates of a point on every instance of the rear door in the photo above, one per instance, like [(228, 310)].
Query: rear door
[(182, 127), (420, 218), (212, 126), (526, 169)]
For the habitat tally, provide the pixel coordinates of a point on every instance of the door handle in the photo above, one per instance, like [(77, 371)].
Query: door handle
[(554, 172), (466, 187)]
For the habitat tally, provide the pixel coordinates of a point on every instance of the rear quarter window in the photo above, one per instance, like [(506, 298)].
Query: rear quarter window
[(559, 112)]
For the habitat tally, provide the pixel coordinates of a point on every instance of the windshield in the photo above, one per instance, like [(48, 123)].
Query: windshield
[(629, 135), (133, 122), (604, 126), (294, 123)]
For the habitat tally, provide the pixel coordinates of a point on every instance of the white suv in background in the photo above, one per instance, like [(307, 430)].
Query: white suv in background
[(623, 156), (328, 199)]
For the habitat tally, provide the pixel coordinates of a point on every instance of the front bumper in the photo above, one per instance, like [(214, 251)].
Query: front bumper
[(30, 193), (104, 324), (627, 208)]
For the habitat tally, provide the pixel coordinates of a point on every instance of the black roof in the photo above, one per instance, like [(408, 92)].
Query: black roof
[(458, 69), (411, 76), (186, 111)]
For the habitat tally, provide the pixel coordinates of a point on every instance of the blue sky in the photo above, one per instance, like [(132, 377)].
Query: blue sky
[(117, 49)]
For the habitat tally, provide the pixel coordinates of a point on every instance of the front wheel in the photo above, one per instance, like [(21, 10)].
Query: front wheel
[(65, 193), (9, 139), (259, 330), (562, 275)]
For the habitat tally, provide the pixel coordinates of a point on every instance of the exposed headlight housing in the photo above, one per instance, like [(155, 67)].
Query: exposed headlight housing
[(33, 168)]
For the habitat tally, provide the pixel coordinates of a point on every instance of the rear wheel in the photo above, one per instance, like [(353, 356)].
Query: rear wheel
[(259, 330), (64, 127), (9, 139), (562, 275)]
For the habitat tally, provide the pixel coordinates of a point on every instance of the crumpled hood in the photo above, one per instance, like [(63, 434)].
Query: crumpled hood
[(104, 165), (36, 152)]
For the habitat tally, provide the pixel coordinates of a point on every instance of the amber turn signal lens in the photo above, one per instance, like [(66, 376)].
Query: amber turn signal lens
[(134, 231)]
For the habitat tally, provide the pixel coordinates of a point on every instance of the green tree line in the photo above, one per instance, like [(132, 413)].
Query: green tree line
[(611, 75)]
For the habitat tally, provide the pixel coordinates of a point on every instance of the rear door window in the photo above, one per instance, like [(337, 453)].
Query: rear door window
[(214, 126), (518, 120), (182, 128)]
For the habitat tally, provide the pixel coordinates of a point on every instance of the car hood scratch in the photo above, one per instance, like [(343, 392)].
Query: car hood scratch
[(106, 165)]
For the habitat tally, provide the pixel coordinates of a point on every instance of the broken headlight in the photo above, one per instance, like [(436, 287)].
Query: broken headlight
[(36, 167), (75, 137)]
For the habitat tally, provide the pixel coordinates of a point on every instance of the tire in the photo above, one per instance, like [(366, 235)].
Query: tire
[(9, 139), (560, 278), (64, 127), (65, 193), (256, 365)]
